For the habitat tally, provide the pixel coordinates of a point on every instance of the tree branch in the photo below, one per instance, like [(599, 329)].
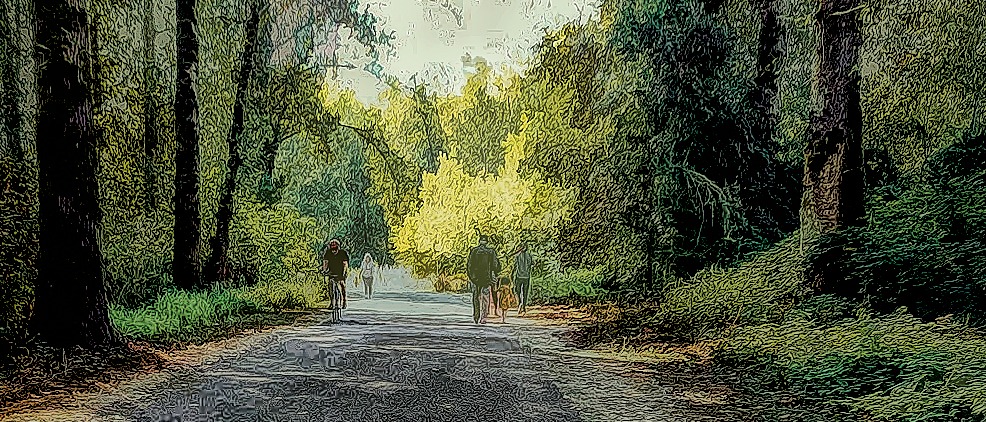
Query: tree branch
[(367, 135)]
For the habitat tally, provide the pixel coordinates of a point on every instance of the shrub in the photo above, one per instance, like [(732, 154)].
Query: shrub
[(456, 283), (757, 291), (823, 309), (276, 242), (924, 249), (304, 292), (560, 286)]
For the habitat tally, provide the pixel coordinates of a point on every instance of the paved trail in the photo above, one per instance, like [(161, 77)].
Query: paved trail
[(403, 356)]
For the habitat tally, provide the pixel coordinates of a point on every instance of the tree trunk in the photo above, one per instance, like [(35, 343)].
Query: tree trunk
[(9, 111), (262, 73), (768, 57), (218, 266), (775, 207), (834, 184), (150, 106), (70, 297), (186, 266)]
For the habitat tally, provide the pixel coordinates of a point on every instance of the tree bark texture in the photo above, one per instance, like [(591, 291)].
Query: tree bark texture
[(834, 157), (834, 176), (218, 266), (186, 264), (70, 296)]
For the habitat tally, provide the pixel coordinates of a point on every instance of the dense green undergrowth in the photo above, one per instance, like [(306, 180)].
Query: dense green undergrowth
[(579, 285), (824, 350), (897, 335), (179, 317), (891, 367), (830, 349)]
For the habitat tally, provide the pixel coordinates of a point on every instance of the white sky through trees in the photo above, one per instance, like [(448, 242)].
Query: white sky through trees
[(434, 39)]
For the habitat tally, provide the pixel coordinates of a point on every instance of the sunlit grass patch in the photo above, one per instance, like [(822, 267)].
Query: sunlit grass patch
[(303, 292)]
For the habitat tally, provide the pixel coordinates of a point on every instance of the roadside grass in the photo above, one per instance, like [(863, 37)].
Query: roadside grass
[(709, 305), (891, 367), (822, 351), (715, 301), (566, 287), (305, 291), (175, 319), (180, 317)]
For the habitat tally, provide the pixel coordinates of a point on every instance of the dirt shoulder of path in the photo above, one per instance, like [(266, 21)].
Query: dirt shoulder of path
[(690, 369), (642, 347), (644, 357), (46, 377)]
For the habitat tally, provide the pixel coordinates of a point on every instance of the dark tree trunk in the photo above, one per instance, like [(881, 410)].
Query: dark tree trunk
[(11, 117), (218, 266), (775, 201), (768, 57), (186, 268), (70, 297), (150, 106), (834, 177)]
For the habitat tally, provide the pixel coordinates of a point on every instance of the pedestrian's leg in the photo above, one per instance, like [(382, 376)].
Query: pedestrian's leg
[(342, 286), (527, 294), (369, 286), (484, 304), (521, 296), (327, 290), (475, 303), (494, 294), (490, 306), (503, 309), (331, 291)]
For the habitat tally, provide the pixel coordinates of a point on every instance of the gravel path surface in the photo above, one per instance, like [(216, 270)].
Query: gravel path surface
[(403, 356)]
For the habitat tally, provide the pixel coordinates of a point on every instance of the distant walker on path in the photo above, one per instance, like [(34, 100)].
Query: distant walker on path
[(367, 269), (482, 268), (335, 266), (522, 277)]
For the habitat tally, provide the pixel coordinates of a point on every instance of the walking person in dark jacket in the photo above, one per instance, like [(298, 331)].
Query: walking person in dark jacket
[(482, 268), (522, 277)]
